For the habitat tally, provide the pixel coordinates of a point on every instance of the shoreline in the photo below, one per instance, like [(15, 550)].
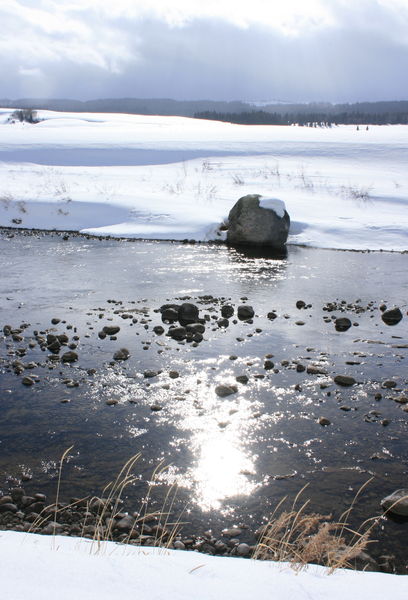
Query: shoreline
[(101, 520), (74, 233)]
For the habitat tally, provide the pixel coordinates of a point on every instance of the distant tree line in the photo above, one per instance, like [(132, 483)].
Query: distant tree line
[(312, 119), (283, 113)]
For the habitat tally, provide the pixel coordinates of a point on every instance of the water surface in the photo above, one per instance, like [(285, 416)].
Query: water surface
[(232, 458)]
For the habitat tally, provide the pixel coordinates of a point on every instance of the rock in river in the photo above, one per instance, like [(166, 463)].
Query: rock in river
[(111, 329), (177, 333), (188, 313), (69, 357), (396, 503), (344, 380), (257, 221), (122, 354), (342, 324), (245, 312), (392, 317), (227, 311), (225, 390), (169, 312)]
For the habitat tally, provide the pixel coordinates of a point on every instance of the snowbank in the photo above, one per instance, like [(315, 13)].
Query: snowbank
[(39, 567), (175, 178)]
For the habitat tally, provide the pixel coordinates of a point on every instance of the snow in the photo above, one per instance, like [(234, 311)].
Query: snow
[(158, 177), (274, 204), (39, 567)]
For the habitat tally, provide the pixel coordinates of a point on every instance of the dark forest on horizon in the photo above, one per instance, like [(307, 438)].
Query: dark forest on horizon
[(312, 113), (313, 119)]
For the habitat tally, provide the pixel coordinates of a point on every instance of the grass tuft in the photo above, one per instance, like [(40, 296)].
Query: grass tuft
[(301, 538)]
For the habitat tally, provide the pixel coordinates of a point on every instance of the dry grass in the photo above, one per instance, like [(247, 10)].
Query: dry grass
[(292, 535), (301, 538), (359, 194), (105, 510)]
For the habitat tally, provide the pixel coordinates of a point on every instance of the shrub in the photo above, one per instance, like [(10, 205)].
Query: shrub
[(25, 115)]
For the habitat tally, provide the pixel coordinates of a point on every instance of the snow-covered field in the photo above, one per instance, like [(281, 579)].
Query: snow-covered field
[(177, 178), (39, 567)]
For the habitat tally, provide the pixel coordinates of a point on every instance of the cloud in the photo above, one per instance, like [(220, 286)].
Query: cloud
[(36, 72), (221, 49)]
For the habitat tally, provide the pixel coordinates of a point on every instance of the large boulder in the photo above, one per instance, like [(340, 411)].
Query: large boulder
[(258, 221)]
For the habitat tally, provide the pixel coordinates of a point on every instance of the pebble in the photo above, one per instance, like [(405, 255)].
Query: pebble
[(112, 402), (148, 374), (389, 384), (227, 311), (243, 549), (315, 370), (231, 532), (70, 356), (223, 323), (225, 390), (344, 380), (122, 354), (111, 329)]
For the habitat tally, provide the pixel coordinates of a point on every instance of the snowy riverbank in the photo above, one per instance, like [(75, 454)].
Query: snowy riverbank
[(158, 177), (38, 566)]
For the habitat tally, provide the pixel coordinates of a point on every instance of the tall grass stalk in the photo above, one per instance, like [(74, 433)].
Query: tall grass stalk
[(63, 457)]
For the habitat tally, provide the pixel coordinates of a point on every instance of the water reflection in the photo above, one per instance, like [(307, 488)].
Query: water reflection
[(219, 431), (258, 252), (222, 468)]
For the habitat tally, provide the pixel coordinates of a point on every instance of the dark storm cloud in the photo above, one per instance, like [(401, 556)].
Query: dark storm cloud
[(361, 55)]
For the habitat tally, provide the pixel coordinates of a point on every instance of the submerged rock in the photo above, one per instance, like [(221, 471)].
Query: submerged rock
[(396, 503), (225, 390), (122, 354)]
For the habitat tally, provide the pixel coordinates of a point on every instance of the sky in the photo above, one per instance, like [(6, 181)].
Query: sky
[(251, 50)]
